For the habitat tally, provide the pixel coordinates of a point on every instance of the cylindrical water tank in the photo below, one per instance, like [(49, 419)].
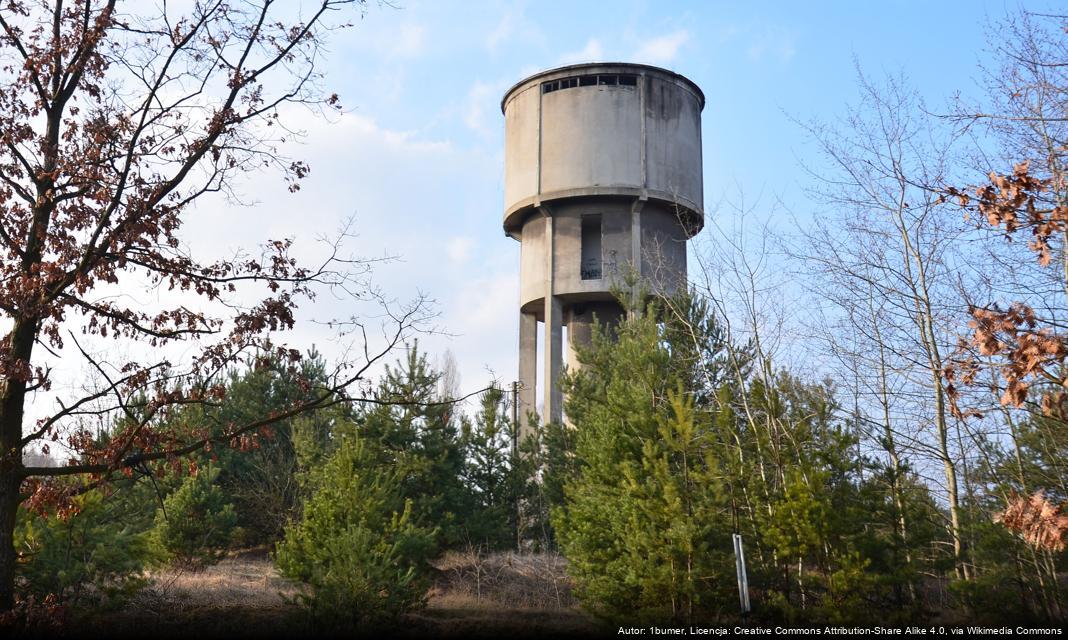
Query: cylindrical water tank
[(604, 129), (602, 181)]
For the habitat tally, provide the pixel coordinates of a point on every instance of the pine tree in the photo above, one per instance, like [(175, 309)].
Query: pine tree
[(196, 523), (357, 544), (490, 475), (644, 520), (257, 473), (412, 429), (92, 555)]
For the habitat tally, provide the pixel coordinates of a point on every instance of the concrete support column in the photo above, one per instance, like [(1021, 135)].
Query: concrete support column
[(636, 251), (553, 409), (580, 323), (579, 334), (528, 369), (636, 235)]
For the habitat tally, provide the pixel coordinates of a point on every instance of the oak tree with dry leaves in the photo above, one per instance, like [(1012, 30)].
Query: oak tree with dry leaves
[(1018, 348), (115, 118), (1037, 521), (1029, 350)]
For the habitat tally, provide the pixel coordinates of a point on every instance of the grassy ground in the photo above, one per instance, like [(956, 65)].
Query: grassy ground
[(473, 595), (486, 595), (243, 595)]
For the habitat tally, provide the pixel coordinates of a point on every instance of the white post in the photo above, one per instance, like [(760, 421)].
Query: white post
[(743, 581)]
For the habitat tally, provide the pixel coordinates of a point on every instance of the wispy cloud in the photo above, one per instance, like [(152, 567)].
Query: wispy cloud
[(663, 49), (479, 108), (408, 42), (487, 303), (776, 43), (514, 26), (592, 52), (393, 43), (498, 33), (363, 129), (458, 248)]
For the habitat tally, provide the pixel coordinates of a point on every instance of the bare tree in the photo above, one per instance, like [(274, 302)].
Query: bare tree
[(882, 253), (1016, 348)]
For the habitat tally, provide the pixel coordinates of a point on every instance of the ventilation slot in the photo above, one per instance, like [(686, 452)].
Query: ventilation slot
[(606, 80)]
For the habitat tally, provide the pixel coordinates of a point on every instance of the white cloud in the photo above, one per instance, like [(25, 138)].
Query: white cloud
[(514, 27), (359, 129), (503, 30), (479, 111), (459, 248), (592, 52), (408, 42), (772, 42), (411, 194), (488, 303), (663, 49)]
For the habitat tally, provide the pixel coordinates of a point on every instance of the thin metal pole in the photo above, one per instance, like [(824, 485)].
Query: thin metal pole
[(515, 463), (515, 418)]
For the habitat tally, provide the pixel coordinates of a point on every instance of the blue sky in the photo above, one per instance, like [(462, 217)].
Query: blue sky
[(417, 156)]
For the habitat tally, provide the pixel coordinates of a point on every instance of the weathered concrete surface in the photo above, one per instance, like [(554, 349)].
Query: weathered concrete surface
[(553, 407), (582, 318), (613, 142), (663, 250), (660, 243), (528, 365), (635, 141)]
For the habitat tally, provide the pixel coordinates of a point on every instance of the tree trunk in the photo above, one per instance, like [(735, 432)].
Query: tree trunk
[(889, 444), (925, 322), (961, 567), (12, 401), (9, 502)]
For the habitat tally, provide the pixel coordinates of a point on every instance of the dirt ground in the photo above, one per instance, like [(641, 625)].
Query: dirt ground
[(473, 595)]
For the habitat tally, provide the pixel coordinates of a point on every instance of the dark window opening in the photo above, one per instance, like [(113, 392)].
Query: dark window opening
[(591, 266), (610, 80)]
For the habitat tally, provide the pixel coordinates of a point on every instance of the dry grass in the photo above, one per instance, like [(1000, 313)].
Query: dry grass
[(246, 578), (479, 594), (242, 595), (510, 580), (473, 595)]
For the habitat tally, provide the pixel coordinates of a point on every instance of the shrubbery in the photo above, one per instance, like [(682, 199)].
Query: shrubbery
[(196, 523), (93, 555), (680, 440), (642, 523), (356, 545)]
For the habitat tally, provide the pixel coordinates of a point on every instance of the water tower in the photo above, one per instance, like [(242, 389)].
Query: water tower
[(602, 176)]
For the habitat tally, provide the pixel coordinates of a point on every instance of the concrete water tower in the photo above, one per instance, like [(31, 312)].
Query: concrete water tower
[(602, 176)]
